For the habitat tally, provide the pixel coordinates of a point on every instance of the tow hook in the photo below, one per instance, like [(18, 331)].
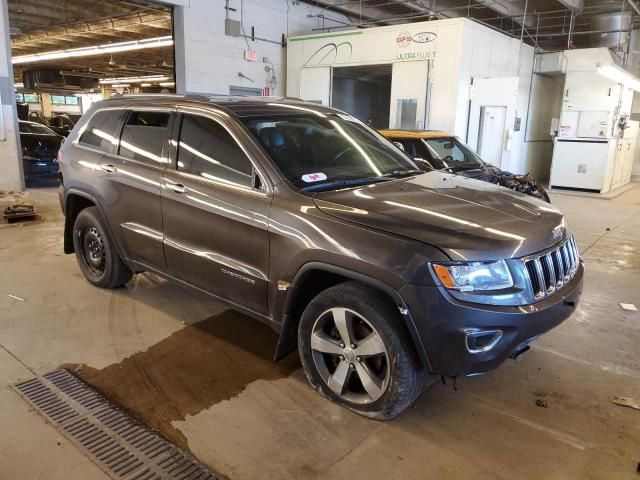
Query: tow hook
[(518, 352)]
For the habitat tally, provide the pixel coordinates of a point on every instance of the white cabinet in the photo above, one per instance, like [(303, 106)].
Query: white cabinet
[(581, 164)]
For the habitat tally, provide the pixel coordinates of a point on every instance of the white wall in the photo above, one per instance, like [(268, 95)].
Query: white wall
[(379, 45), (208, 61), (11, 177), (490, 55)]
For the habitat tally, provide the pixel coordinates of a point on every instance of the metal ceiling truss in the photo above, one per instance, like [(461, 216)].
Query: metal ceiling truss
[(547, 24), (41, 26)]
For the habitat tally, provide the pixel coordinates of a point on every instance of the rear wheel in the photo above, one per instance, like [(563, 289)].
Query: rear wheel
[(95, 251), (355, 352)]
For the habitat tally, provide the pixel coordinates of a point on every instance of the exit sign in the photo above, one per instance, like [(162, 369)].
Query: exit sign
[(250, 55)]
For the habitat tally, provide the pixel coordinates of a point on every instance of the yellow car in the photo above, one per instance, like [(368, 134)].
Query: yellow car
[(433, 150)]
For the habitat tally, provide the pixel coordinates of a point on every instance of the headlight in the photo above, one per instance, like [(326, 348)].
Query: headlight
[(473, 276)]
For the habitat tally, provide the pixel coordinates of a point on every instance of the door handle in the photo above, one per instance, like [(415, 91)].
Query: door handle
[(107, 167), (177, 187)]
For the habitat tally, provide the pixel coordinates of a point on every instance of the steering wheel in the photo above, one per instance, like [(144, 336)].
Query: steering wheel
[(448, 158)]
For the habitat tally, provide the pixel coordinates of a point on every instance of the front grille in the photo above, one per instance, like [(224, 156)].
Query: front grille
[(550, 271)]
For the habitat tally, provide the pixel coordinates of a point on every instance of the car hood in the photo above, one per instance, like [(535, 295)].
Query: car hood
[(468, 219)]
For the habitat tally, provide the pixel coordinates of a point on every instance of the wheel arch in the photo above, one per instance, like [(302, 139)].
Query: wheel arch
[(75, 201), (314, 277)]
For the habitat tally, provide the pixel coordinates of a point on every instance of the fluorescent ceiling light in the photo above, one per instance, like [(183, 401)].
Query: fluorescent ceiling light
[(95, 50), (145, 84), (121, 85), (167, 84), (619, 75), (18, 85), (143, 79)]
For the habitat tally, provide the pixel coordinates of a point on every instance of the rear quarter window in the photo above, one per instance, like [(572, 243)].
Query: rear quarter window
[(144, 136), (100, 132)]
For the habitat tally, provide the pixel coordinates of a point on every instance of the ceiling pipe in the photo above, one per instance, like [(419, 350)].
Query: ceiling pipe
[(593, 10), (524, 19), (585, 32), (634, 6)]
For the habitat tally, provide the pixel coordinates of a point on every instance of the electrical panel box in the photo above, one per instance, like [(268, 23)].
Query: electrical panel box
[(568, 124), (593, 124), (232, 27)]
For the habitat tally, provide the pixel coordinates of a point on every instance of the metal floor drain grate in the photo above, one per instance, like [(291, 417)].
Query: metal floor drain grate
[(120, 444)]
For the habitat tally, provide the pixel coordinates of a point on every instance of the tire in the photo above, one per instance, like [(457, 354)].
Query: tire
[(96, 253), (394, 377)]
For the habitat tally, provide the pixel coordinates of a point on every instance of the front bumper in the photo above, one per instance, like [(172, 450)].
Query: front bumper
[(444, 323)]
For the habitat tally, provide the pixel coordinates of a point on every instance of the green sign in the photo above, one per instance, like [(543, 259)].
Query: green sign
[(416, 55)]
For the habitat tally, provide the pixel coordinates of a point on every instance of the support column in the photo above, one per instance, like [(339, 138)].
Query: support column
[(11, 175), (45, 101)]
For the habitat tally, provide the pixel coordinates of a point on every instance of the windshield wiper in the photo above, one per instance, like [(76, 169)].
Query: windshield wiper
[(403, 173), (467, 167), (343, 182)]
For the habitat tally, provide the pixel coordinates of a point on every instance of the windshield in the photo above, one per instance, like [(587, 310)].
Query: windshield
[(328, 151), (450, 153), (35, 128)]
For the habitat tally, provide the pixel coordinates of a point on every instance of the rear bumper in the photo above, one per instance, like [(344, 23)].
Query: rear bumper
[(447, 326)]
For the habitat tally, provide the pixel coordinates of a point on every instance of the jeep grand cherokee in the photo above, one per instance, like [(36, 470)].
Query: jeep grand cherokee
[(382, 275)]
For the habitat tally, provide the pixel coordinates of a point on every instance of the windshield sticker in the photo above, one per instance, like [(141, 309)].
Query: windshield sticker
[(313, 177)]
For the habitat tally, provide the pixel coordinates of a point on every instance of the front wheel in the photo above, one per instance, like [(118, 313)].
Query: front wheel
[(355, 352)]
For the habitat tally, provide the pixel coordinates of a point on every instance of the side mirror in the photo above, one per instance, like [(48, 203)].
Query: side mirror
[(399, 145)]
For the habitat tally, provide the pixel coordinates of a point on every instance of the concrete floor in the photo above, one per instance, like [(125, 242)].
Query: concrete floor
[(203, 376)]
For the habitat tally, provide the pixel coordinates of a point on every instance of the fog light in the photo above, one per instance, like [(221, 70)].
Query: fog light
[(478, 341)]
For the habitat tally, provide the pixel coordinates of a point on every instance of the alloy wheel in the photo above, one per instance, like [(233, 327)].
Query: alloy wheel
[(350, 355)]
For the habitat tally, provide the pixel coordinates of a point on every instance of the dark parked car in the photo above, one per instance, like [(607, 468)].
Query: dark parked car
[(61, 124), (40, 147), (381, 275), (434, 150)]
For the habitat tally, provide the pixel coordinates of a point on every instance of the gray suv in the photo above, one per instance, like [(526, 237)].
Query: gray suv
[(383, 276)]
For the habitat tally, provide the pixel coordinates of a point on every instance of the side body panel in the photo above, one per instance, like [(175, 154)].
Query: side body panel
[(215, 233), (129, 192)]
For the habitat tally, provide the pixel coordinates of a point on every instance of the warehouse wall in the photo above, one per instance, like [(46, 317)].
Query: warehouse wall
[(208, 61), (10, 162), (487, 54)]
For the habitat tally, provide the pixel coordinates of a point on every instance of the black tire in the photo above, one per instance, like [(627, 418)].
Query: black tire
[(96, 253), (405, 379)]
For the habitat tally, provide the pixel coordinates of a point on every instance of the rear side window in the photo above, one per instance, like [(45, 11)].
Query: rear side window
[(207, 149), (144, 135), (100, 132)]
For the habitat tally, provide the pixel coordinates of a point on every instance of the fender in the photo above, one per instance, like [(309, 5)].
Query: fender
[(287, 339), (68, 226)]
